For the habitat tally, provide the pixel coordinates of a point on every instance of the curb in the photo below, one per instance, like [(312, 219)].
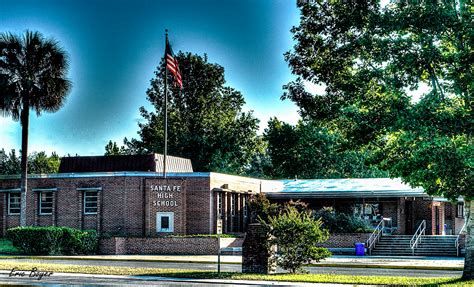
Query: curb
[(117, 259), (352, 265)]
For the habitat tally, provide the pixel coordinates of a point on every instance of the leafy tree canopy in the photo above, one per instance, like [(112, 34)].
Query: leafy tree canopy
[(38, 163), (370, 58), (310, 151), (205, 121)]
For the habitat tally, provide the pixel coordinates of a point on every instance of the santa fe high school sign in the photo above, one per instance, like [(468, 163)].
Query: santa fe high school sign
[(165, 195)]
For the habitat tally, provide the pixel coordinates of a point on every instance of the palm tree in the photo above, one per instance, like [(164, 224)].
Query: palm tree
[(32, 75)]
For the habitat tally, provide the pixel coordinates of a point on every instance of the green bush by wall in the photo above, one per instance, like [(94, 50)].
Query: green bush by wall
[(53, 240)]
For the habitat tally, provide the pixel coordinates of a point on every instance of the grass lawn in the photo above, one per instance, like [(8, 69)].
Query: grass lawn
[(6, 247), (314, 278)]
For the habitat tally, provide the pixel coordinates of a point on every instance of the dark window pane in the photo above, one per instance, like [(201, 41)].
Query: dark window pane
[(165, 222)]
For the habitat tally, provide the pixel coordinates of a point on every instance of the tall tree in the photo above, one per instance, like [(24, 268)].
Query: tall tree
[(41, 163), (32, 76), (205, 122), (369, 57), (9, 163), (309, 151)]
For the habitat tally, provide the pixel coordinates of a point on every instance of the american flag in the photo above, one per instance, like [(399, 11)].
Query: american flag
[(172, 65)]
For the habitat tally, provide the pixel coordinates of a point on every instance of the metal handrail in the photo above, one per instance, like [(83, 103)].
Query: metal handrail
[(456, 243), (417, 236), (375, 236)]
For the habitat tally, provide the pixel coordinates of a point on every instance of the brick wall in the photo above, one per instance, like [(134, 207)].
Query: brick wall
[(158, 246), (200, 219), (345, 240)]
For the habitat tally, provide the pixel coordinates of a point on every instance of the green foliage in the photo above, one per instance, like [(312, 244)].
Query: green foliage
[(296, 235), (337, 222), (370, 58), (53, 240), (205, 121), (38, 163), (9, 163), (261, 209), (6, 247), (309, 151), (113, 149)]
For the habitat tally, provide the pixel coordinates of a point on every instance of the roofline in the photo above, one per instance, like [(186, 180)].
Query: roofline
[(110, 174), (332, 194)]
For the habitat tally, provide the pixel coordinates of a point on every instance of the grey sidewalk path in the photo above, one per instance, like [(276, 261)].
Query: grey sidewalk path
[(408, 262)]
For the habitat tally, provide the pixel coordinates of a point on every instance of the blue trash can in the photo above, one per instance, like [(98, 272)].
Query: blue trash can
[(360, 249)]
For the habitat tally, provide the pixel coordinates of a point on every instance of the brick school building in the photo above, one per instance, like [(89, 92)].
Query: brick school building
[(128, 196)]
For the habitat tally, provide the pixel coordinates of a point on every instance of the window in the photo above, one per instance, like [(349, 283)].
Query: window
[(46, 202), (14, 203), (164, 221), (368, 211), (460, 210), (90, 202), (233, 203), (219, 205)]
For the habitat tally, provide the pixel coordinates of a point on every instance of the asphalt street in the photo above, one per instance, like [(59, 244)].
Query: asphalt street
[(65, 279), (237, 268)]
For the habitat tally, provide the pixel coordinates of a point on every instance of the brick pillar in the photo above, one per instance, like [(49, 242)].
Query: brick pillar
[(401, 217), (55, 213), (256, 256), (35, 207), (441, 219), (99, 212), (80, 207)]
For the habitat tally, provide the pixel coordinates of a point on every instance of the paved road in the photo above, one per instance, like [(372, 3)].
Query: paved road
[(64, 279), (237, 268)]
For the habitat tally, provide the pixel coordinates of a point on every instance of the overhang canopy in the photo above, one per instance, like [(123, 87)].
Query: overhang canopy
[(345, 188)]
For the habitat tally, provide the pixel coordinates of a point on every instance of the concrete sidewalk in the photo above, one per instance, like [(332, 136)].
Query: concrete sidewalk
[(405, 262)]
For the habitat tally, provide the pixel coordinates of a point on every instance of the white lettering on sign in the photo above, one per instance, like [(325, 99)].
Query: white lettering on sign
[(164, 193), (166, 188), (165, 203)]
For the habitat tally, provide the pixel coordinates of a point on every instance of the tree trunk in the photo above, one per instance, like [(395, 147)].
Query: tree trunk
[(469, 260), (25, 116)]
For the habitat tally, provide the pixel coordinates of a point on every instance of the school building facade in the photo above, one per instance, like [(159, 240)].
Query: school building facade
[(127, 196)]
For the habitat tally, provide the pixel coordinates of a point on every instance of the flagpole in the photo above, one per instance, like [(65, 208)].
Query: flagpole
[(166, 108)]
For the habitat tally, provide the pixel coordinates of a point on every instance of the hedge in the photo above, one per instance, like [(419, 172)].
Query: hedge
[(53, 240)]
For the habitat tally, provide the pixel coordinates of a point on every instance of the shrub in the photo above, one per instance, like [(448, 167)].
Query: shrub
[(296, 234), (337, 222), (53, 240), (36, 240), (75, 241)]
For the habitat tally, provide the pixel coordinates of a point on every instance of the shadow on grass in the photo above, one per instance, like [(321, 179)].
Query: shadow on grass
[(454, 282), (312, 278)]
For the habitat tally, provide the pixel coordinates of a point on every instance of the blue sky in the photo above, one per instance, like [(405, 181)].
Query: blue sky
[(115, 46)]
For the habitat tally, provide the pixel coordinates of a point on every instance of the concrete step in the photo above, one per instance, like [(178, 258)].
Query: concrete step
[(399, 245)]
